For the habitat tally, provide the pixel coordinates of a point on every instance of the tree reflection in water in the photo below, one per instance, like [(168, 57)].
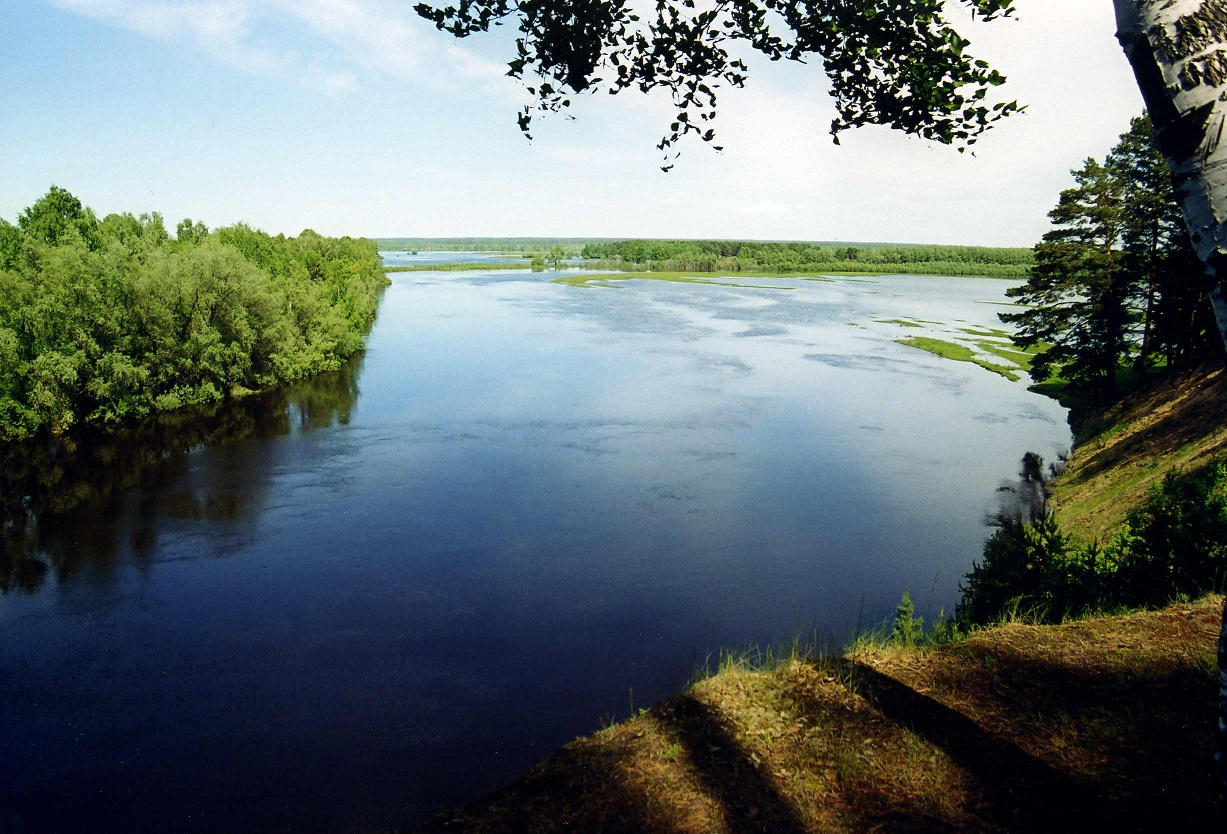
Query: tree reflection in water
[(60, 497)]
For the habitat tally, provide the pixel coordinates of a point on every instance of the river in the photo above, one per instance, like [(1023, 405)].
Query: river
[(529, 507)]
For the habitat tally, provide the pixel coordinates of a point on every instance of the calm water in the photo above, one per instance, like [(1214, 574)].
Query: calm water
[(528, 504)]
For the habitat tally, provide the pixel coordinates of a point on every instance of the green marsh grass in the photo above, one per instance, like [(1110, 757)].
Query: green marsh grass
[(959, 353), (1007, 351)]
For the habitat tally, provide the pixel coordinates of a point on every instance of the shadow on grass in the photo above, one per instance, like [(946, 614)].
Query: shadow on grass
[(576, 789), (1024, 792), (749, 798)]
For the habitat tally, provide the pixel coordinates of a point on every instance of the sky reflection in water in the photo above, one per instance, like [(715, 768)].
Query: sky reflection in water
[(543, 499)]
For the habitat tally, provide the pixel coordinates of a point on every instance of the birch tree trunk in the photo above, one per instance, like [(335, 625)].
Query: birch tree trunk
[(1178, 50)]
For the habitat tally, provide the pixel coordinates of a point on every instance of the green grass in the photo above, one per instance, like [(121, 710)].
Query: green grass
[(1021, 358), (901, 322), (959, 353), (992, 333)]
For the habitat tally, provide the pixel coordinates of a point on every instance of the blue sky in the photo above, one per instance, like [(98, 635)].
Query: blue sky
[(356, 117)]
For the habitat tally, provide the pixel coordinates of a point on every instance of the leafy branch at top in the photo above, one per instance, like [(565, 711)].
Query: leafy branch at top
[(892, 62)]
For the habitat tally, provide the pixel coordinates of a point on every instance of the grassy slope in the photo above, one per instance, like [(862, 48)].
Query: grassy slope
[(1102, 724), (1123, 451)]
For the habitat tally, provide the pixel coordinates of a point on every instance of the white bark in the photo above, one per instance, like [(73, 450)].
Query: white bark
[(1178, 51)]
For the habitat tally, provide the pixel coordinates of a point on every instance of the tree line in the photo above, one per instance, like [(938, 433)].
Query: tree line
[(104, 321), (1116, 284), (517, 245), (773, 256), (1116, 288)]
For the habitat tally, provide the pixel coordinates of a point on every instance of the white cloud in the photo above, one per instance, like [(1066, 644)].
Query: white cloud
[(770, 207), (380, 36), (218, 28), (377, 37), (779, 177), (332, 83)]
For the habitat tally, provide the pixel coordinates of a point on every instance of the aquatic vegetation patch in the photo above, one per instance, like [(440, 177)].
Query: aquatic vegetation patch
[(990, 333), (959, 353), (1007, 351), (908, 322)]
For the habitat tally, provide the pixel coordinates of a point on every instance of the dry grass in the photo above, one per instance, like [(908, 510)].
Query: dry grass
[(1100, 724)]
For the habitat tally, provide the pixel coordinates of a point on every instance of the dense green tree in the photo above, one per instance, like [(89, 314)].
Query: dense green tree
[(129, 323), (10, 245), (190, 233), (57, 214), (1111, 279), (769, 256), (1175, 318), (1078, 290)]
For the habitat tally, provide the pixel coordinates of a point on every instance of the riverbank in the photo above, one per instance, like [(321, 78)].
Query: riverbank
[(1121, 452), (1104, 722)]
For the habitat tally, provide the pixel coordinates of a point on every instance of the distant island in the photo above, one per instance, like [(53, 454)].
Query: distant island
[(747, 256)]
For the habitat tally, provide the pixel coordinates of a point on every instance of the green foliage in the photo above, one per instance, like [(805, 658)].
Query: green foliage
[(1176, 544), (1172, 547), (1111, 278), (893, 62), (957, 352), (1078, 287), (734, 256), (189, 233), (106, 322), (907, 629), (56, 216)]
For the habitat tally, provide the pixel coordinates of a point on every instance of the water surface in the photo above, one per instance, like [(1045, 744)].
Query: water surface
[(526, 507)]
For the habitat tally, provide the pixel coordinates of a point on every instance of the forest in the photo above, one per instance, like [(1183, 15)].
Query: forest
[(1116, 286), (773, 256), (105, 321)]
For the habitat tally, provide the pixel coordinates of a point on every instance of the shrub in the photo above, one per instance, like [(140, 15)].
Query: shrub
[(1172, 547)]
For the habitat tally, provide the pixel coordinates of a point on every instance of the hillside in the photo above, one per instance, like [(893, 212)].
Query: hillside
[(1123, 451), (1101, 724)]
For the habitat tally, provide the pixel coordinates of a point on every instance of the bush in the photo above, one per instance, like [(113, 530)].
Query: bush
[(908, 629), (1178, 539), (1172, 547)]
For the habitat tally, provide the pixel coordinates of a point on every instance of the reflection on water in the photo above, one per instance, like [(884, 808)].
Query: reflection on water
[(319, 612), (60, 498)]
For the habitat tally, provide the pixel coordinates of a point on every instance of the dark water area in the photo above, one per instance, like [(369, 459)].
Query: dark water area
[(347, 605)]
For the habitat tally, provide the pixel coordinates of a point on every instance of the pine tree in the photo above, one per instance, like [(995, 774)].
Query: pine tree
[(1111, 280), (1174, 316), (1078, 288)]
